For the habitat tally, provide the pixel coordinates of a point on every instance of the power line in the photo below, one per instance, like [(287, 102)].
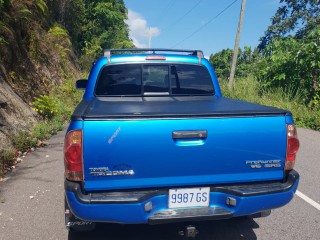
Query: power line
[(182, 17), (165, 9), (207, 23)]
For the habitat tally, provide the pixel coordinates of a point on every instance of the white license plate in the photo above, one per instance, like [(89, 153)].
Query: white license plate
[(189, 197)]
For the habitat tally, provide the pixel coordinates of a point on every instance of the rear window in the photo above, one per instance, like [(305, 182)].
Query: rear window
[(156, 79), (190, 79), (148, 79), (119, 80)]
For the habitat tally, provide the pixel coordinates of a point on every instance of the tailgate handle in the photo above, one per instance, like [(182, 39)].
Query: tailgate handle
[(189, 134)]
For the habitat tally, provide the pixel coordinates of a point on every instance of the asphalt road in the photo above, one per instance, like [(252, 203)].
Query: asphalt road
[(31, 204)]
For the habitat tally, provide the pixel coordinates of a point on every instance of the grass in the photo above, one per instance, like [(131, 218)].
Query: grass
[(248, 89)]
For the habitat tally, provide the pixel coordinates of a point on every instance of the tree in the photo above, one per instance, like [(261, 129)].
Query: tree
[(69, 14), (291, 49), (295, 17), (294, 65), (104, 27), (222, 62), (92, 24)]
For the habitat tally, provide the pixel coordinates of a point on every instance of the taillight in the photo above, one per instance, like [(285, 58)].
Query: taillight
[(73, 155), (292, 146), (155, 57)]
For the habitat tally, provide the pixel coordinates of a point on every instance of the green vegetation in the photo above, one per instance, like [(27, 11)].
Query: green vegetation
[(7, 159), (291, 63), (291, 50), (222, 62), (58, 107), (45, 106), (92, 25), (103, 28), (249, 89), (283, 71), (55, 109), (23, 140)]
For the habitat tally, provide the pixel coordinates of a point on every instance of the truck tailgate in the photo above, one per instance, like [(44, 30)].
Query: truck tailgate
[(146, 153)]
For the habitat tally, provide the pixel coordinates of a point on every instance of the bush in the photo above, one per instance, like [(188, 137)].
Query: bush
[(45, 106), (61, 35), (23, 141), (7, 159), (56, 109), (8, 155), (42, 131)]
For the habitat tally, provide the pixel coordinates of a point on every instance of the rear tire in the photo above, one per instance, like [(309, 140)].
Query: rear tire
[(75, 224)]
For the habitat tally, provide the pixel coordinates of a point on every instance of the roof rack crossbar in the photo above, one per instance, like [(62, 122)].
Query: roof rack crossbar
[(197, 53), (108, 52)]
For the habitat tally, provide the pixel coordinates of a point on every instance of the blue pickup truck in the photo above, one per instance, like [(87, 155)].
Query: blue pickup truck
[(154, 141)]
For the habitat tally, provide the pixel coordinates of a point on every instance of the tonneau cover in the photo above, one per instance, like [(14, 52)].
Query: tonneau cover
[(169, 107)]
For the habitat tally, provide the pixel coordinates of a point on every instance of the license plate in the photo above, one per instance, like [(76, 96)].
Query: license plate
[(189, 197)]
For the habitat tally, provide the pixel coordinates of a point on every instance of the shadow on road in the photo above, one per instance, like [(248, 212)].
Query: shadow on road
[(238, 228)]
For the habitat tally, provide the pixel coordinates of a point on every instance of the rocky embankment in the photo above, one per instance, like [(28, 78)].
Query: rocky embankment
[(27, 72), (15, 113)]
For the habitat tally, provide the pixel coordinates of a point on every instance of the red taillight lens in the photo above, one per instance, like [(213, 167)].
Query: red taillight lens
[(292, 146), (73, 155)]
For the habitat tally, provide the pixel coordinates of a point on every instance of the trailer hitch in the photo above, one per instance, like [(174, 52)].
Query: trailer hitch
[(189, 232)]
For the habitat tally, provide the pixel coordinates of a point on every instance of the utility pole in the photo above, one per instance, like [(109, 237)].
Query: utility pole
[(150, 36), (236, 46)]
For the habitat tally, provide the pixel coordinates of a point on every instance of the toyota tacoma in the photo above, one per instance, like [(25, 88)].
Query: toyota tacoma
[(154, 141)]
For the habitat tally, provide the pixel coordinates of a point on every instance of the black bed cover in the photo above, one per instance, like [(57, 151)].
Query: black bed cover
[(169, 107)]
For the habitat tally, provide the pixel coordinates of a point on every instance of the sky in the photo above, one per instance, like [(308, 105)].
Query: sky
[(208, 25)]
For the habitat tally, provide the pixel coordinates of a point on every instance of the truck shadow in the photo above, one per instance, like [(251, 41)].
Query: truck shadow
[(237, 228)]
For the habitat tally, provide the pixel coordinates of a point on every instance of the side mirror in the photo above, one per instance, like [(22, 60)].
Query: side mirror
[(81, 84)]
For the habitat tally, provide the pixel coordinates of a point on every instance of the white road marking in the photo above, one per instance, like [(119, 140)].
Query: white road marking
[(308, 200)]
